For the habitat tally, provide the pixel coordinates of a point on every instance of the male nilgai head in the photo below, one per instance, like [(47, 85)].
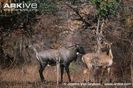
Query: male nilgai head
[(80, 49)]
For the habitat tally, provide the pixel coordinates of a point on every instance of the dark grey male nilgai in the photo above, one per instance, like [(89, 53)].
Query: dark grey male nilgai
[(63, 55)]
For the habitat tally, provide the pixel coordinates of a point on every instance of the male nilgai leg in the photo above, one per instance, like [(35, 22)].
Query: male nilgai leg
[(68, 72), (42, 67), (62, 72)]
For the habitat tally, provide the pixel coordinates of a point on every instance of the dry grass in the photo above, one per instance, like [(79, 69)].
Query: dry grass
[(28, 77), (26, 73), (30, 73)]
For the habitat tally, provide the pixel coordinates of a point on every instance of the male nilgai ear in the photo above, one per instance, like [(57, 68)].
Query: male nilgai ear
[(77, 45)]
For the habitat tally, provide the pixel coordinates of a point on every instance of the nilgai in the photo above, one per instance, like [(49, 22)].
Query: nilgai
[(102, 60), (63, 55)]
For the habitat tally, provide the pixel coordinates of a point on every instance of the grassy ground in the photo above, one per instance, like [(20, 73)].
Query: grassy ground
[(28, 77), (48, 85)]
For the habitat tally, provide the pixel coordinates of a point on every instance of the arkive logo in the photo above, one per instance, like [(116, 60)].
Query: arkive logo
[(21, 6)]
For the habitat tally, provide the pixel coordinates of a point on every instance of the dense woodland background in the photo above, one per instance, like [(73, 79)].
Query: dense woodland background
[(51, 26)]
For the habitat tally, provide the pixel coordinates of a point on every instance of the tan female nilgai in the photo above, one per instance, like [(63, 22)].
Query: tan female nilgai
[(102, 60)]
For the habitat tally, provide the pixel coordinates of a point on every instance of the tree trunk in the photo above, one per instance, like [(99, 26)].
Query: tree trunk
[(99, 35), (58, 71), (131, 66), (131, 72), (1, 49)]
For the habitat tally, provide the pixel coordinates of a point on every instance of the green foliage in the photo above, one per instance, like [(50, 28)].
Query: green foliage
[(106, 8), (47, 6)]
